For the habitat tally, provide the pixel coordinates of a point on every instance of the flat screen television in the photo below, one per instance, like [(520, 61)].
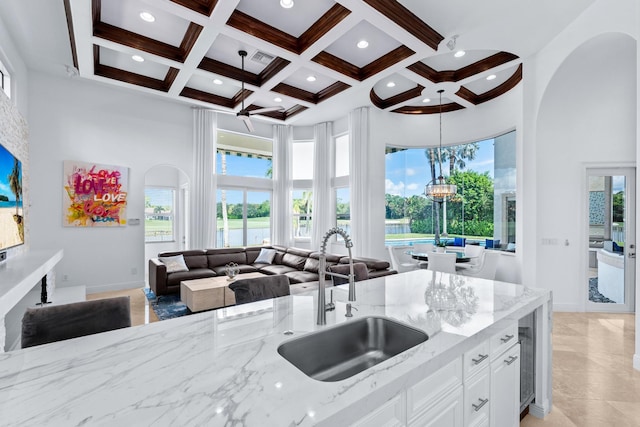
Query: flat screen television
[(11, 212)]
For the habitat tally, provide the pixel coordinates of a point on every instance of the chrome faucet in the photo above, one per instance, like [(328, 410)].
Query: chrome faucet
[(322, 267)]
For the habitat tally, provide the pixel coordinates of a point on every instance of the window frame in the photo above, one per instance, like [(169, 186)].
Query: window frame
[(174, 230)]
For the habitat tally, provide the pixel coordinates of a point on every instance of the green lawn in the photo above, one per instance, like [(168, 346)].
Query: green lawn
[(251, 223)]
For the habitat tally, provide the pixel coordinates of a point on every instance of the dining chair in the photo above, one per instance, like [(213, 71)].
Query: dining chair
[(444, 262), (360, 272), (52, 323), (488, 268), (475, 254), (401, 261), (260, 288)]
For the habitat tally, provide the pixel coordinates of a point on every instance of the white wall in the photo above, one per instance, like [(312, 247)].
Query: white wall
[(74, 119), (580, 109)]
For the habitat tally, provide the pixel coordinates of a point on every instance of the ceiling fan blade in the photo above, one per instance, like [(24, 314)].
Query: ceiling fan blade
[(247, 123), (267, 109)]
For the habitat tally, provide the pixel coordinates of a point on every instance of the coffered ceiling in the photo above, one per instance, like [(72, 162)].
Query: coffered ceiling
[(190, 50)]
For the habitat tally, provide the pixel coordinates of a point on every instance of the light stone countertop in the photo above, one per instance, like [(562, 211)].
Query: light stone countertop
[(222, 367)]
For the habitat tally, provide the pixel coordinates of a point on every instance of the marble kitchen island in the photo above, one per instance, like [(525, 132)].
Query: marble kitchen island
[(222, 367)]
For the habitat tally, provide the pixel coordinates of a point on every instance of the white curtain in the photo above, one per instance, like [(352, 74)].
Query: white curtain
[(282, 185), (324, 210), (358, 181), (203, 213)]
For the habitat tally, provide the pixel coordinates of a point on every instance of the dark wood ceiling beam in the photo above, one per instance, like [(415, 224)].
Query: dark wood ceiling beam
[(189, 39), (407, 20), (294, 110), (385, 61), (72, 37), (477, 67), (503, 88), (396, 99), (204, 7), (330, 91), (295, 92), (240, 96), (250, 25), (217, 67), (207, 97), (428, 109), (337, 64), (484, 65), (274, 67), (279, 115), (322, 26)]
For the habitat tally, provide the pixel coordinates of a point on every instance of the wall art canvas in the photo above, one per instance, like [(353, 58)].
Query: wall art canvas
[(95, 195)]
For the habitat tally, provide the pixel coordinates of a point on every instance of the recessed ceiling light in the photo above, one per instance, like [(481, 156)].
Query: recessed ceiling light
[(459, 54), (363, 44), (217, 81), (137, 58), (426, 100), (277, 99), (287, 4), (491, 77), (146, 16), (391, 84), (311, 78)]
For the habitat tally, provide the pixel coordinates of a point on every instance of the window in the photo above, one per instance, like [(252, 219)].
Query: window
[(5, 80), (343, 209), (159, 205), (243, 218), (342, 155), (244, 155), (302, 160), (483, 209), (302, 213)]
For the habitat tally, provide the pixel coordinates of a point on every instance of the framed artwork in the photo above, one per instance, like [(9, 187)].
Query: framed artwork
[(95, 195)]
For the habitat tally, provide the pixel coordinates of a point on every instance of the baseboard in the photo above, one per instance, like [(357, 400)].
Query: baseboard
[(114, 287), (538, 411), (636, 362), (572, 308)]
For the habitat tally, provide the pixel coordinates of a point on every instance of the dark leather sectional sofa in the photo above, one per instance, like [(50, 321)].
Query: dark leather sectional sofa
[(300, 265)]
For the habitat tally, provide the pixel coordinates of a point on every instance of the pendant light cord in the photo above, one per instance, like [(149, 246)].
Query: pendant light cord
[(440, 148)]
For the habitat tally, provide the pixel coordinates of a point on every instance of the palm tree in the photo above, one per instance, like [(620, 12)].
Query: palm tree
[(433, 156), (15, 183), (459, 153)]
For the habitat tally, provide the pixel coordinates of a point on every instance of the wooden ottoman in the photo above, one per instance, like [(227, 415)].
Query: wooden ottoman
[(211, 292)]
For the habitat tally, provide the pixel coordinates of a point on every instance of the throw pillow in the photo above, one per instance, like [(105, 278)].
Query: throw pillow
[(266, 256), (174, 263)]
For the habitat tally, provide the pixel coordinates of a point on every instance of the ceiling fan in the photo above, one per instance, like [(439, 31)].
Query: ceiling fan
[(245, 114)]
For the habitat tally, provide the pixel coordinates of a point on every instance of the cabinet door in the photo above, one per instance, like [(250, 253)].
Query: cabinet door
[(446, 413), (390, 414), (505, 389), (477, 398)]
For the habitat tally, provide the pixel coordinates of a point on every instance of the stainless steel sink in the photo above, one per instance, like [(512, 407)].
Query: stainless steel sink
[(340, 352)]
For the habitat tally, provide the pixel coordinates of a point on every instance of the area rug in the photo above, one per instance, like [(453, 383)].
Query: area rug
[(594, 294), (166, 306)]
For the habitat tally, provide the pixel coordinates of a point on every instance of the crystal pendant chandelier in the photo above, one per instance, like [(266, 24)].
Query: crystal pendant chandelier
[(438, 190)]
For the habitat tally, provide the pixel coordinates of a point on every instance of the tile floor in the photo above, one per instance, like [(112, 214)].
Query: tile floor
[(594, 383)]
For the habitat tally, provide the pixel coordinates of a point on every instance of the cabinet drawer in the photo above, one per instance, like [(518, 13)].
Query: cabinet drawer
[(477, 393), (428, 391), (390, 414), (447, 412), (476, 359), (502, 341)]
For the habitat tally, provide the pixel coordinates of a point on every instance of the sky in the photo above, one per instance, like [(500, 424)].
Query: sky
[(407, 172)]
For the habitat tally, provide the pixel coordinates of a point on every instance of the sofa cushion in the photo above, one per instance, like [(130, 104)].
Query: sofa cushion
[(274, 268), (265, 257), (195, 258), (372, 264), (196, 273), (331, 258), (253, 252), (300, 252), (223, 256), (242, 268), (360, 272), (301, 276), (174, 263), (294, 261)]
